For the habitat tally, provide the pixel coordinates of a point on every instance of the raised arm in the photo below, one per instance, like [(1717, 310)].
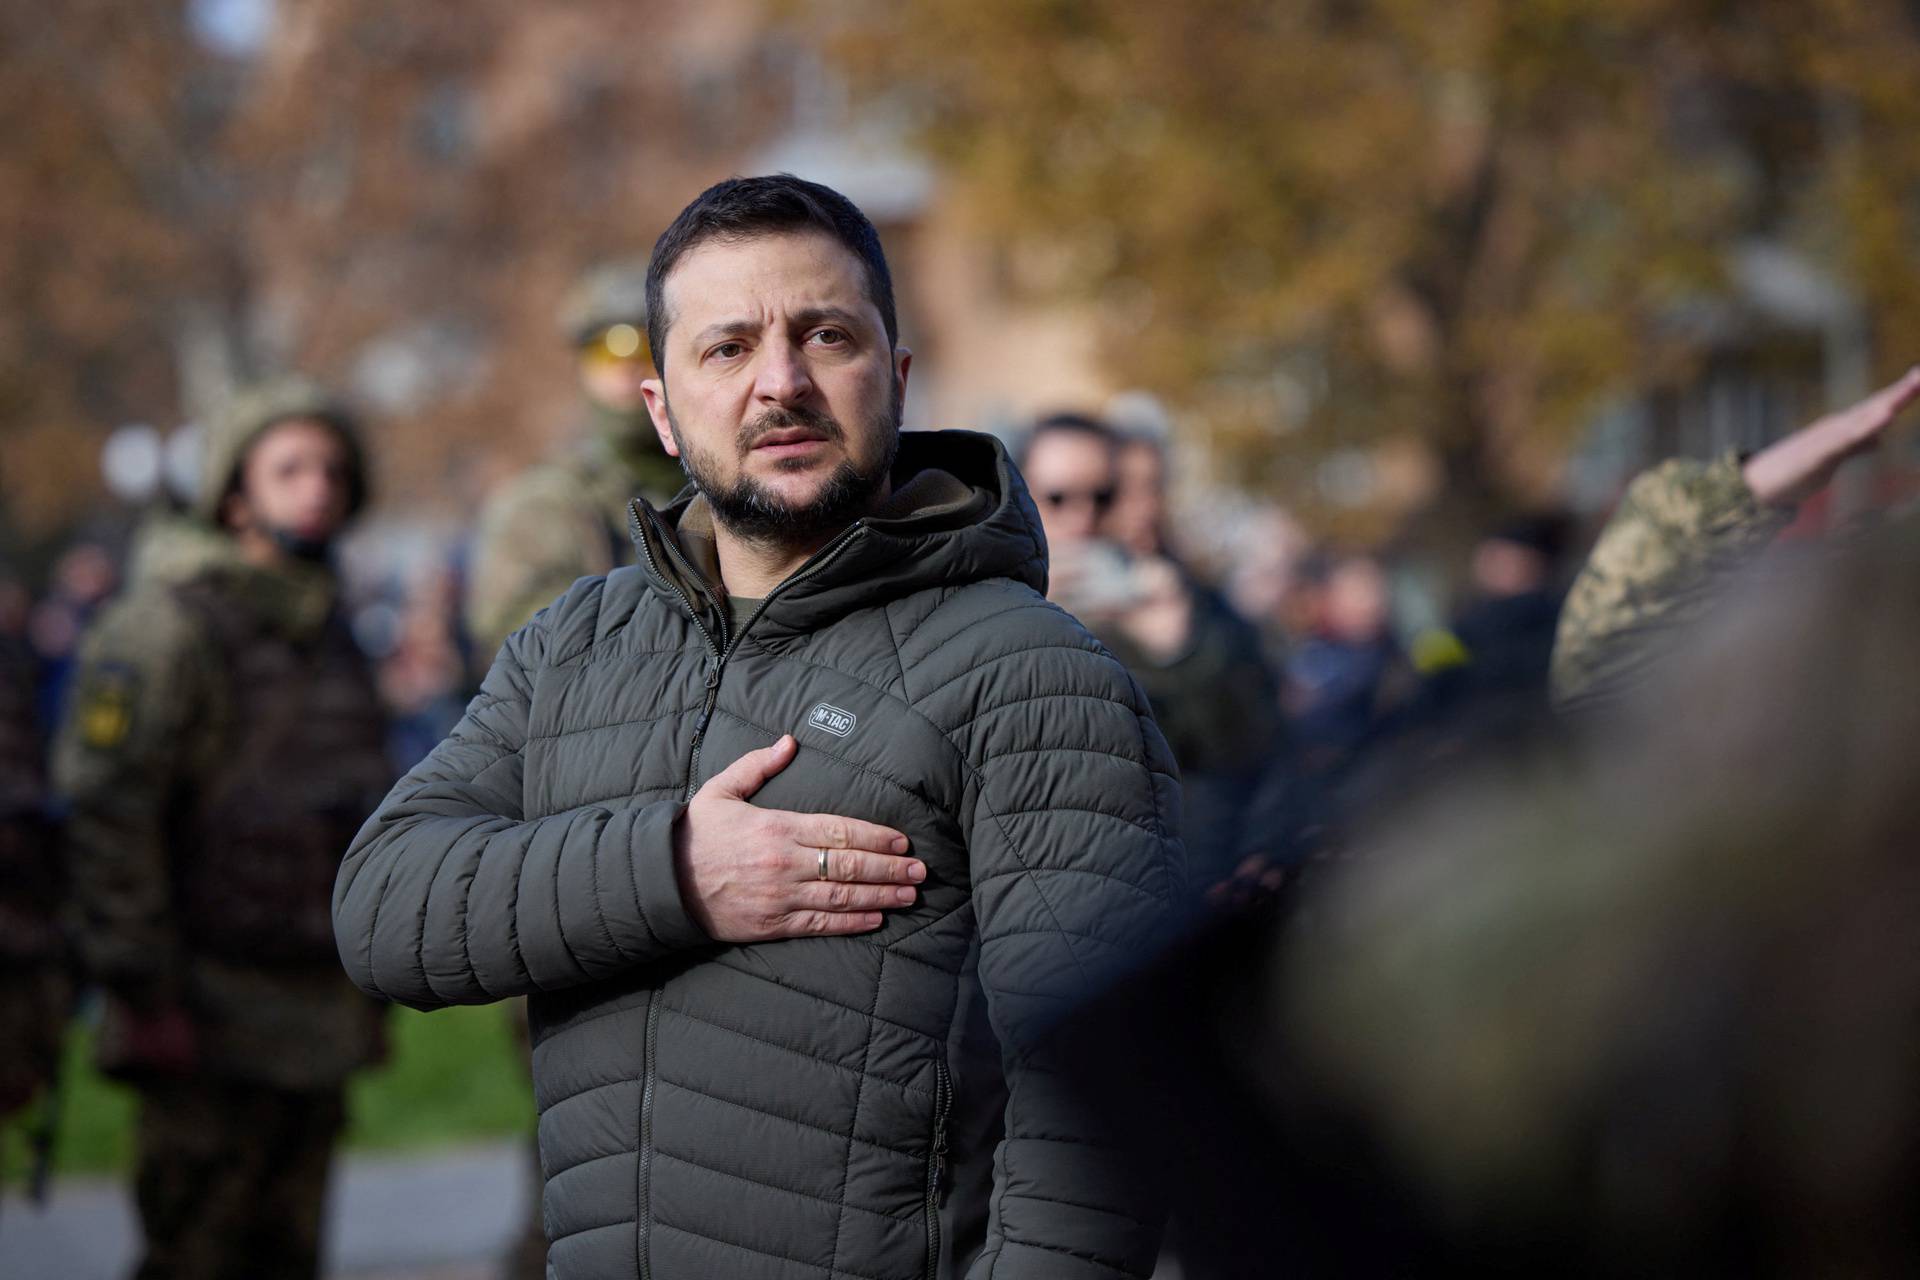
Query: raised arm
[(1682, 529)]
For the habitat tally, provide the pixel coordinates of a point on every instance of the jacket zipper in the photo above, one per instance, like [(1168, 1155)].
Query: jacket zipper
[(717, 653), (646, 1140), (937, 1163), (821, 559)]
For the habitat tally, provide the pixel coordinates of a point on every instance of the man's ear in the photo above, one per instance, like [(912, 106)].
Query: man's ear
[(654, 391), (902, 361)]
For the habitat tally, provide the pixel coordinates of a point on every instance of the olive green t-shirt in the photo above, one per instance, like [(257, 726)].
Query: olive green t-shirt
[(739, 609)]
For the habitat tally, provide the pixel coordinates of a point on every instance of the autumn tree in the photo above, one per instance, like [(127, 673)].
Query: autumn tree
[(1324, 221), (395, 197)]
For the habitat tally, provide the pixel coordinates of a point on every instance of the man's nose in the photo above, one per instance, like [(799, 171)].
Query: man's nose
[(782, 377)]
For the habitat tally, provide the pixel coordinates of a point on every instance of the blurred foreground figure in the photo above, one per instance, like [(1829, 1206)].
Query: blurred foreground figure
[(224, 742), (1657, 1013), (567, 519)]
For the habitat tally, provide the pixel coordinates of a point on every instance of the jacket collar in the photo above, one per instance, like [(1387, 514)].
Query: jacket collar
[(959, 513)]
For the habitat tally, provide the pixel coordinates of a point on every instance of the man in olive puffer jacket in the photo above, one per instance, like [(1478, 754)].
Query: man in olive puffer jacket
[(779, 827)]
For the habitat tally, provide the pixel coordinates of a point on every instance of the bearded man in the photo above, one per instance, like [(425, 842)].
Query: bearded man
[(803, 835)]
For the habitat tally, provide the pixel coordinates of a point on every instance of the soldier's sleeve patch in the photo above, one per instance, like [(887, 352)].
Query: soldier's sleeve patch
[(103, 705)]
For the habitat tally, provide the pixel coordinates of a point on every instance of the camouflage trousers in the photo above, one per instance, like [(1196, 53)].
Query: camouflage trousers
[(33, 1017), (232, 1177)]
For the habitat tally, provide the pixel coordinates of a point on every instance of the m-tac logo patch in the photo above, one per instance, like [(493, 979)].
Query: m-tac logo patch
[(832, 719)]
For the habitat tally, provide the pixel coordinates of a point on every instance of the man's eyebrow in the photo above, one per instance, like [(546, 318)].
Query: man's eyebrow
[(807, 317), (726, 329)]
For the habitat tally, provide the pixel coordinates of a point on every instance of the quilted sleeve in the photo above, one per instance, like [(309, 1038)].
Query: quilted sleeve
[(1077, 863), (449, 896)]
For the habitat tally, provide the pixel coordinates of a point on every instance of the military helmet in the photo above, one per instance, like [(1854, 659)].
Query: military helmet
[(250, 412), (614, 293)]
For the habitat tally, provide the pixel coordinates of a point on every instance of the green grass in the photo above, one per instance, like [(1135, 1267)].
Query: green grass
[(450, 1077)]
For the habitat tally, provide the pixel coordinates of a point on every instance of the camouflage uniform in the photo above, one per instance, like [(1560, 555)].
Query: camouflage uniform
[(562, 520), (34, 988), (224, 743), (568, 518), (1681, 529)]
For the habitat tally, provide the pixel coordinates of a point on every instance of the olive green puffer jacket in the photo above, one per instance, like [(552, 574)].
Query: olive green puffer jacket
[(805, 1108)]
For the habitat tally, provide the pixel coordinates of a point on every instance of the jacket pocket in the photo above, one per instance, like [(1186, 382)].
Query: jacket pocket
[(937, 1162)]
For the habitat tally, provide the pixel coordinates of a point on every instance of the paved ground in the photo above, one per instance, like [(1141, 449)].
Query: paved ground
[(441, 1217), (448, 1216)]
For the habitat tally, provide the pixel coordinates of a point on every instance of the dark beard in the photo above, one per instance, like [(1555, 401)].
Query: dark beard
[(753, 513)]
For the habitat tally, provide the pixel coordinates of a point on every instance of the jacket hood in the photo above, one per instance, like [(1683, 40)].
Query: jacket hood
[(251, 411), (959, 513)]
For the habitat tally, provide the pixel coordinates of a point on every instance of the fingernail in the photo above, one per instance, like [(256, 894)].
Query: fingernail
[(900, 844), (916, 871), (903, 895)]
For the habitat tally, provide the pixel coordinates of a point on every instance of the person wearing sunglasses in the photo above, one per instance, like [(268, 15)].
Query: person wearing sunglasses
[(1102, 497)]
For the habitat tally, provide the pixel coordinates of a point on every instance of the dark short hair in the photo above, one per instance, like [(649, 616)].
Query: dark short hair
[(746, 208), (1067, 424)]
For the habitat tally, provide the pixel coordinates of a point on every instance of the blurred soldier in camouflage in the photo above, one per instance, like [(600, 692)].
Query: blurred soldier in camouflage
[(567, 518), (1682, 530), (34, 986), (224, 742)]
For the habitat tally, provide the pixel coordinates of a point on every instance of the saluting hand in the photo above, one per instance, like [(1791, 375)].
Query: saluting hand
[(1800, 465)]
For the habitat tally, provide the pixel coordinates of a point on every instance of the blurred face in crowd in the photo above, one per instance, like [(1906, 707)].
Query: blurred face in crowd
[(614, 368), (1139, 513), (1503, 569), (1071, 477), (295, 490), (781, 392), (1357, 603)]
